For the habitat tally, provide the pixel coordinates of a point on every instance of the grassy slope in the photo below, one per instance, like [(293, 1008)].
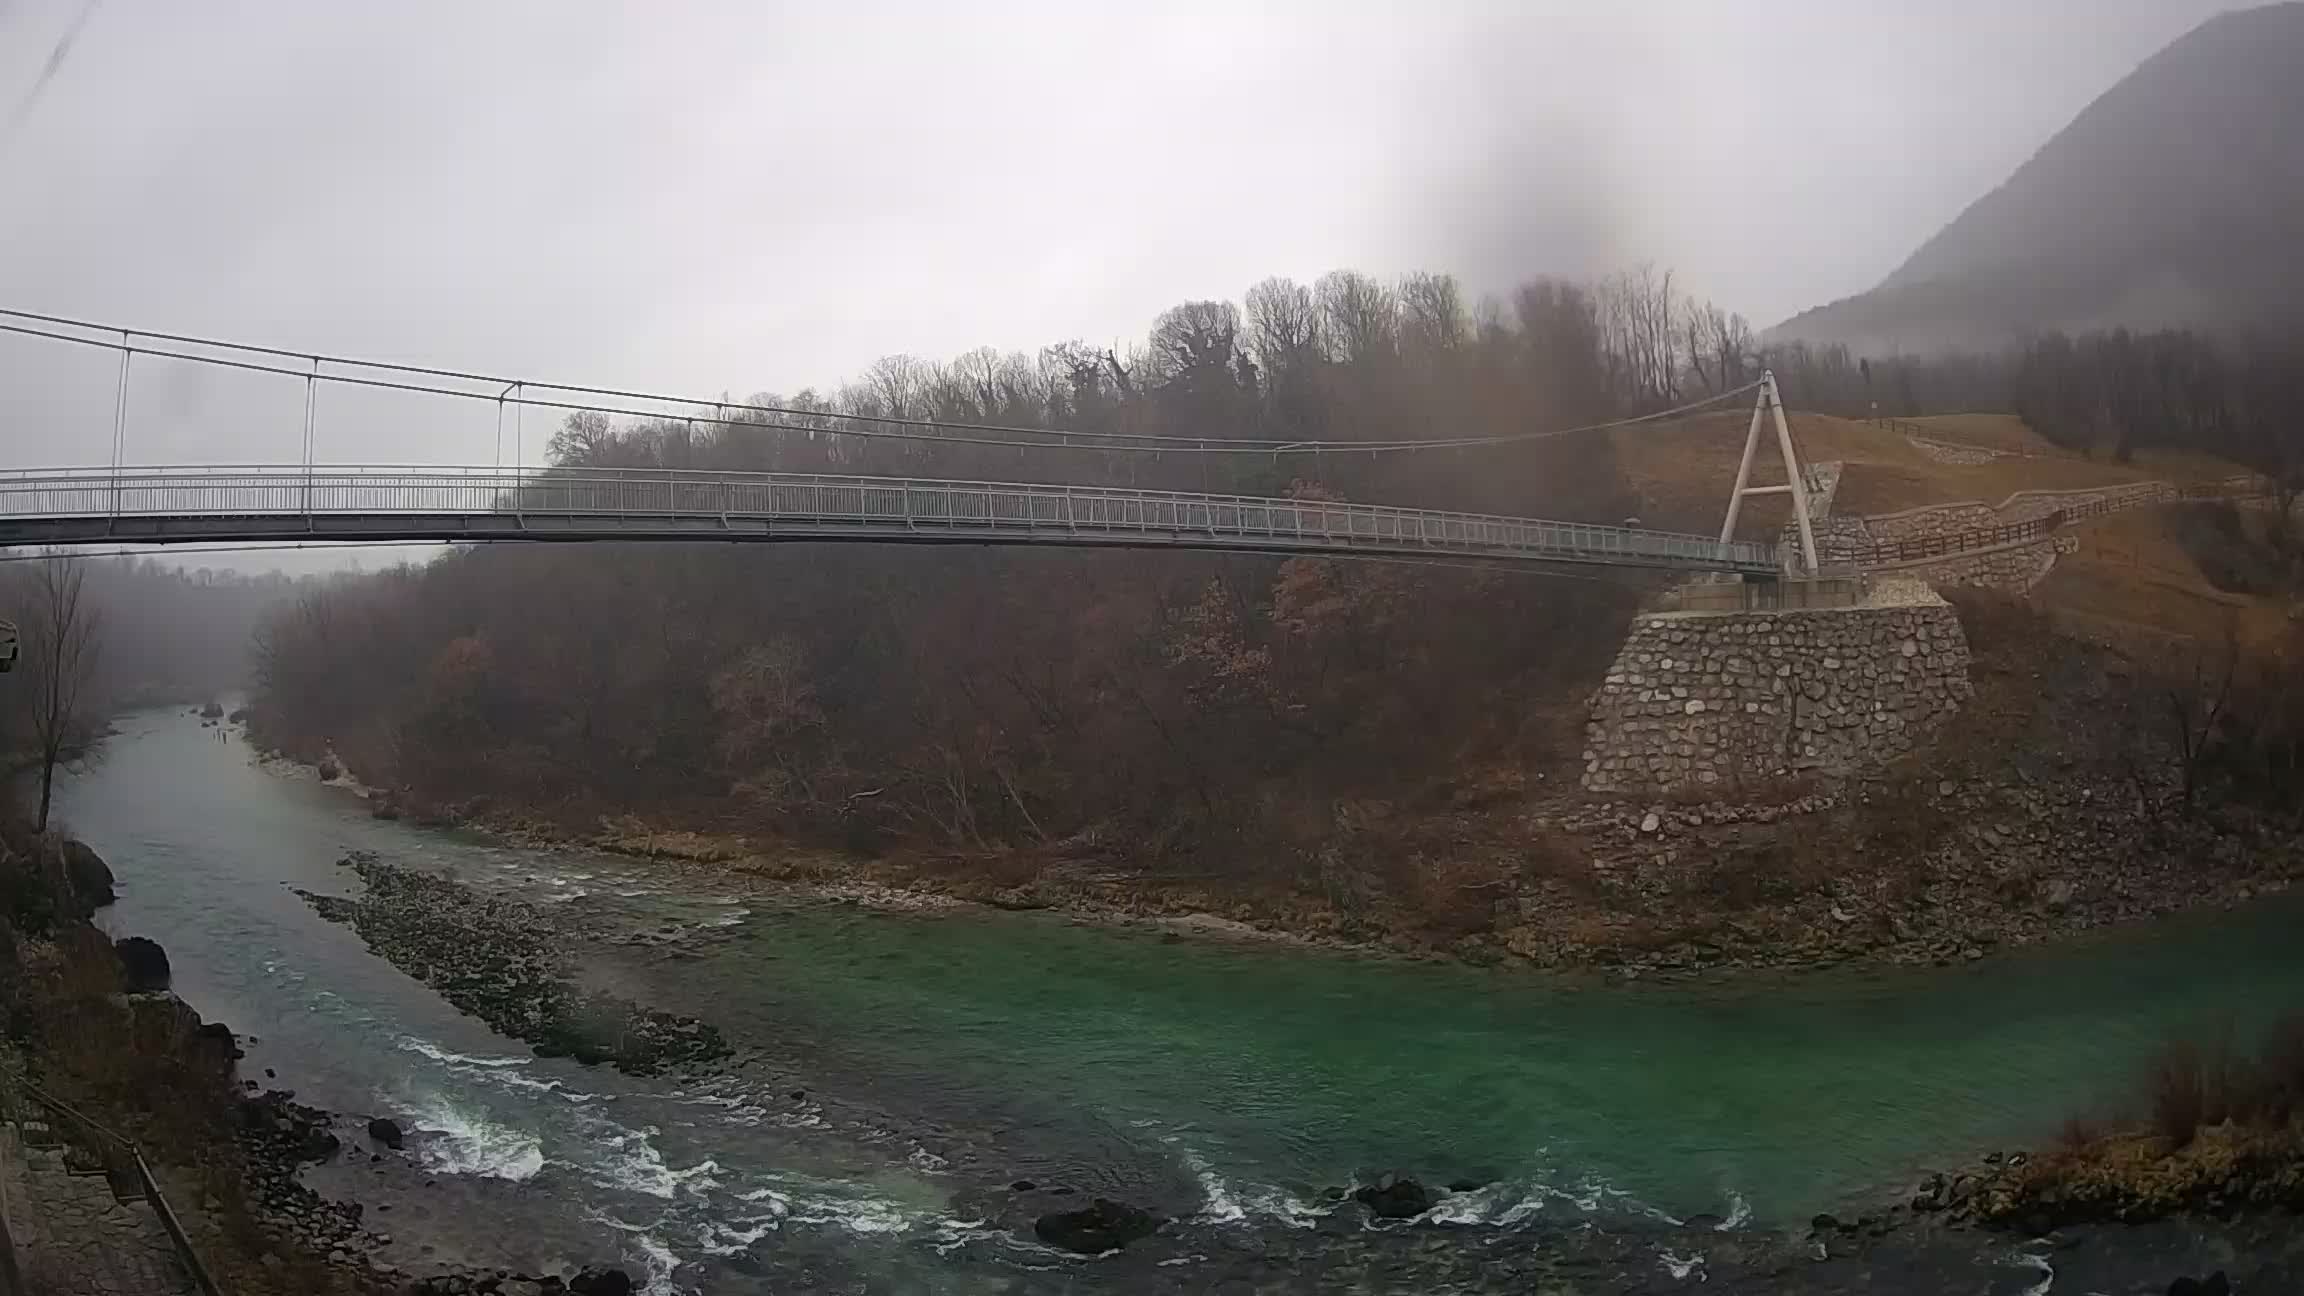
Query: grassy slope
[(2130, 574)]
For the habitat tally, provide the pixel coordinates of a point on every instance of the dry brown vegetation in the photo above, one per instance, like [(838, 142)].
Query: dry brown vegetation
[(2223, 1129), (1680, 472), (1361, 749), (1273, 722)]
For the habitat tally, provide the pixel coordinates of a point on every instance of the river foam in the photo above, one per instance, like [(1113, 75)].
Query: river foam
[(433, 1051), (466, 1143)]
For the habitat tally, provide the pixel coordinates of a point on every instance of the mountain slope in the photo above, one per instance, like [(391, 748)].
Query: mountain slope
[(2175, 198)]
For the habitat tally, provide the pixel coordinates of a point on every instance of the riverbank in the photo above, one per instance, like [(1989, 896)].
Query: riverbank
[(95, 1023), (895, 1074), (1630, 889), (2053, 805)]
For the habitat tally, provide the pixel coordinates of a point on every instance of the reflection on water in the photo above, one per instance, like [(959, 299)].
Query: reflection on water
[(896, 1064)]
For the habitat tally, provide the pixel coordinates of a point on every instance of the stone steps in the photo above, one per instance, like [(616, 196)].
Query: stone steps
[(73, 1234)]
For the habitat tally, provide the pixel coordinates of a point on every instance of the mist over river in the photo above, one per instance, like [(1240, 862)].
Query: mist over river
[(895, 1073)]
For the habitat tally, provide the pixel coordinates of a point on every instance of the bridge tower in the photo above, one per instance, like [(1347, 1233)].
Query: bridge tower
[(1771, 406)]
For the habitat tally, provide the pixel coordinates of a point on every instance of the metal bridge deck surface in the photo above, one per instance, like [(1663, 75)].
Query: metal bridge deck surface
[(276, 503)]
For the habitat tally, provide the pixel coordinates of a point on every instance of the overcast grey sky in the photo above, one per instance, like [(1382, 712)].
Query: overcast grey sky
[(756, 196)]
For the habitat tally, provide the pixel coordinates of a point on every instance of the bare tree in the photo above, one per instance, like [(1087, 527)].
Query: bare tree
[(1283, 326), (1639, 316), (1718, 345), (583, 438), (1432, 315), (1359, 317), (1561, 336), (2196, 705), (62, 645), (1197, 339)]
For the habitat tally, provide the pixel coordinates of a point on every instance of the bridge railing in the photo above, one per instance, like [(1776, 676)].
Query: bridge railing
[(832, 503)]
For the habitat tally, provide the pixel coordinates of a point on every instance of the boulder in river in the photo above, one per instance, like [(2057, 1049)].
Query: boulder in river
[(1101, 1226), (1390, 1198), (600, 1280), (143, 964), (330, 771), (386, 1132), (2215, 1284)]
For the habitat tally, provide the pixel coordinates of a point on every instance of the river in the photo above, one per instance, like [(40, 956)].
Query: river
[(897, 1071)]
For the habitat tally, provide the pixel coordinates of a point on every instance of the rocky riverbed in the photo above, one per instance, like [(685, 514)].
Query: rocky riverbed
[(912, 1095), (505, 962)]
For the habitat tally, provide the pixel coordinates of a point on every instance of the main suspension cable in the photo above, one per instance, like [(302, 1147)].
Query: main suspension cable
[(882, 426)]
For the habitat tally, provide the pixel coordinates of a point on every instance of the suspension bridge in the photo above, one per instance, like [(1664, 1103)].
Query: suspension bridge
[(310, 502)]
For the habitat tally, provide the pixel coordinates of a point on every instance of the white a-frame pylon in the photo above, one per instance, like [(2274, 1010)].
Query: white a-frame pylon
[(1796, 484)]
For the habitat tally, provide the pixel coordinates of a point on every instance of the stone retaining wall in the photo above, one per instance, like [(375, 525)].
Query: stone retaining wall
[(2015, 567), (1947, 452), (1699, 699), (1934, 520)]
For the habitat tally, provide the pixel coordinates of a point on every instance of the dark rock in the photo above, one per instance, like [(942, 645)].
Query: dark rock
[(799, 1095), (600, 1280), (330, 771), (1709, 1223), (143, 964), (1022, 1185), (220, 1036), (1466, 1185), (1824, 1224), (86, 872), (212, 711), (387, 1133), (1394, 1198), (1931, 1195), (1103, 1226)]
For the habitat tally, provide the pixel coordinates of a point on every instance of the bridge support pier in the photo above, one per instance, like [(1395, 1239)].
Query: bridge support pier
[(1725, 698)]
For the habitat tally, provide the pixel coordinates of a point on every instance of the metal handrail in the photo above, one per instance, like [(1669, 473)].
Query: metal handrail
[(123, 1150), (845, 502)]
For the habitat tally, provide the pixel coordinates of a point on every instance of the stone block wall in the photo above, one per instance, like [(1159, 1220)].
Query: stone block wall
[(2015, 568), (1841, 539), (1934, 520), (1698, 699), (1947, 452)]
